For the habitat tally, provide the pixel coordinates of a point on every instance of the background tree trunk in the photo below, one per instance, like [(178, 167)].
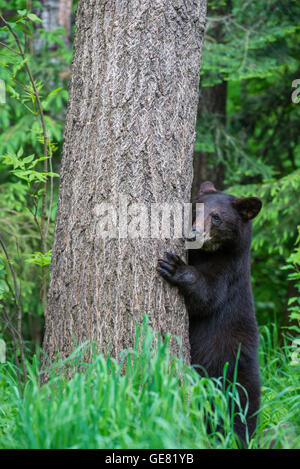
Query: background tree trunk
[(212, 104), (130, 130), (64, 19), (55, 13), (213, 101)]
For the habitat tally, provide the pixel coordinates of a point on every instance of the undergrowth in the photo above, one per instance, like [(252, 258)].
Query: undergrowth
[(147, 399)]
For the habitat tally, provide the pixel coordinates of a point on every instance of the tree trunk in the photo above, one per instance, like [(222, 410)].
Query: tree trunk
[(64, 19), (213, 101), (130, 130)]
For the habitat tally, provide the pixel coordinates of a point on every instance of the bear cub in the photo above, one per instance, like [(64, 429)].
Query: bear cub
[(218, 295)]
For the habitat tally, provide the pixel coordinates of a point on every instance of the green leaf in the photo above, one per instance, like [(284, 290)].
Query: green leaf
[(53, 92), (22, 12), (38, 258), (34, 18), (20, 152), (28, 159)]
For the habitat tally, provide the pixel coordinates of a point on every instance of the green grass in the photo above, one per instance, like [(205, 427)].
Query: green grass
[(147, 400), (279, 413)]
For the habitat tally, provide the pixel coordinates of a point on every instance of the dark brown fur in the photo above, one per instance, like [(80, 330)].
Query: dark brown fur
[(218, 295)]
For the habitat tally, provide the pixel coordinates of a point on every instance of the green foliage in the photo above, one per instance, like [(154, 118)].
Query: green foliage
[(23, 168), (279, 217), (254, 42), (147, 399), (293, 264), (22, 157), (254, 51), (38, 258), (18, 118), (279, 421), (143, 401)]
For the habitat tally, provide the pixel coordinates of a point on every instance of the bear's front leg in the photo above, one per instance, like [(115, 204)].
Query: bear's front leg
[(176, 272)]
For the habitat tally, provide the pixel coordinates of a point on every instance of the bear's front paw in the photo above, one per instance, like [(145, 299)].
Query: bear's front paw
[(175, 271)]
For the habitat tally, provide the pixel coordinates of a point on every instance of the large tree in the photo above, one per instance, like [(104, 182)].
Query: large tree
[(130, 130)]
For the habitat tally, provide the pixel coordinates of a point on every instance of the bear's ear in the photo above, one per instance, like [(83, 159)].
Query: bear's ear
[(206, 186), (248, 208)]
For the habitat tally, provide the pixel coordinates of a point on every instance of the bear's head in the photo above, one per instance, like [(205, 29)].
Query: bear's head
[(226, 219)]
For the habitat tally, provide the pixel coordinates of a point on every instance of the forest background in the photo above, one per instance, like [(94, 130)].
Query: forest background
[(247, 143)]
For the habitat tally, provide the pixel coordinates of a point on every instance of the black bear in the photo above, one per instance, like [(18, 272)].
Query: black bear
[(218, 295)]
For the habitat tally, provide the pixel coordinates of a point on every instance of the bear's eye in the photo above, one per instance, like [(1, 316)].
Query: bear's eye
[(216, 218)]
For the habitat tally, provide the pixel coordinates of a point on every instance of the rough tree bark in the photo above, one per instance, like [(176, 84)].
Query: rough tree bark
[(130, 130)]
